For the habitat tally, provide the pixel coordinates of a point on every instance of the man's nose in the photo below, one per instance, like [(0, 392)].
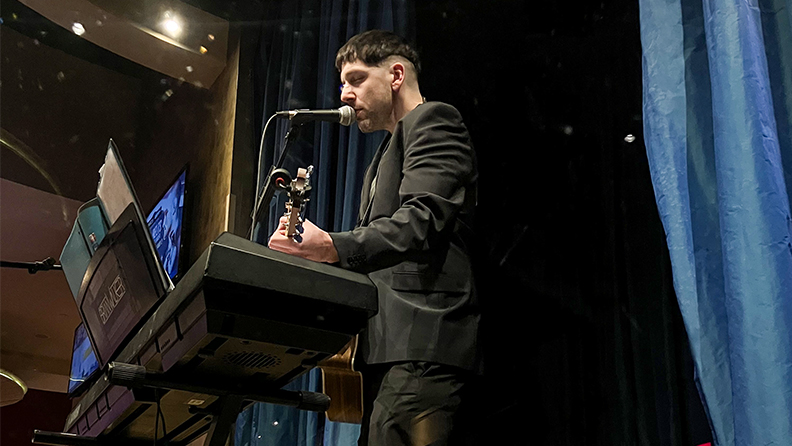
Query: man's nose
[(346, 95)]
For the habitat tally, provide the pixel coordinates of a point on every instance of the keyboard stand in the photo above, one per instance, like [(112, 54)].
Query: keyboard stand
[(224, 411)]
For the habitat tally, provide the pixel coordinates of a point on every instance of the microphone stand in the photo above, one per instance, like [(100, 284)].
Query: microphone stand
[(275, 174), (32, 267)]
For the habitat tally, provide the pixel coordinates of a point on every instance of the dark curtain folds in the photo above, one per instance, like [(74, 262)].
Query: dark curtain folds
[(584, 342)]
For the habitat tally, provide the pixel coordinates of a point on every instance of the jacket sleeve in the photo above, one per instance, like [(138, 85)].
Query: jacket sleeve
[(438, 166)]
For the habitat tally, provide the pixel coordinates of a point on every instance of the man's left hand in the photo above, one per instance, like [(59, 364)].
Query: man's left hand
[(315, 243)]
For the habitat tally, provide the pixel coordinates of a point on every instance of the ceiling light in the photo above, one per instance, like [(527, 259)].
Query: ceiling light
[(171, 25), (78, 28)]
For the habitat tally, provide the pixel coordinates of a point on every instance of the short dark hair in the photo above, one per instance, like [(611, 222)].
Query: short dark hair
[(373, 46)]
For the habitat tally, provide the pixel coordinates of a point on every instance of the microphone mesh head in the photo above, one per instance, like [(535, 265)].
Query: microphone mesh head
[(347, 115)]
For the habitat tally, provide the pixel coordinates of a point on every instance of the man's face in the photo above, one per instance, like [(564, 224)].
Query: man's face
[(368, 90)]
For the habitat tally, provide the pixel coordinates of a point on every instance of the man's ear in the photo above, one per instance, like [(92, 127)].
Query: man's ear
[(398, 71)]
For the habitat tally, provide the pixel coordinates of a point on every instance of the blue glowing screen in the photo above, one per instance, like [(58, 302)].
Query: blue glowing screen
[(165, 222)]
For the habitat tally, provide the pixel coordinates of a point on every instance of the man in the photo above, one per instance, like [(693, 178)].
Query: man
[(420, 353)]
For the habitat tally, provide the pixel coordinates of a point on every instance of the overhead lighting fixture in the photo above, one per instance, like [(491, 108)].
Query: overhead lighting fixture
[(78, 28), (171, 25)]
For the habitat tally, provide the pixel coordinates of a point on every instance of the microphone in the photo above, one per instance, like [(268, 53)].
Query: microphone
[(344, 115)]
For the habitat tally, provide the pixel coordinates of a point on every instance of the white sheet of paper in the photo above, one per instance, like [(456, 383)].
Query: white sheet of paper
[(113, 188), (115, 193)]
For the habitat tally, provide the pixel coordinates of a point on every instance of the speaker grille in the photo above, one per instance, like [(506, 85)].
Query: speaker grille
[(252, 360)]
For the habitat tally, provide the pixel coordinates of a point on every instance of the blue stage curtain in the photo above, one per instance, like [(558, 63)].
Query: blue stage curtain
[(717, 104), (295, 68)]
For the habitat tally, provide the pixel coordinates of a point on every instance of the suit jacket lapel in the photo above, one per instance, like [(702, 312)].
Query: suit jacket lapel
[(366, 196)]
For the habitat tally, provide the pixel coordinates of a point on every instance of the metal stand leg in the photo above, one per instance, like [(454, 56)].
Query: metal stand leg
[(60, 438), (223, 422), (64, 439)]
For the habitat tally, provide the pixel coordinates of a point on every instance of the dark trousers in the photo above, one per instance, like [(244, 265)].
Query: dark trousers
[(416, 404)]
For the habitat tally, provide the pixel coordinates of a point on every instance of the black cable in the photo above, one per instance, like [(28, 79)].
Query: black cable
[(260, 157), (264, 196), (157, 416), (156, 419), (162, 416)]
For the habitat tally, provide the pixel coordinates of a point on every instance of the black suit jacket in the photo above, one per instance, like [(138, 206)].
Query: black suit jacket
[(412, 240)]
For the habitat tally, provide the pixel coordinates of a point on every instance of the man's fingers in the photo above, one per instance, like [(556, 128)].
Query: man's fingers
[(280, 242)]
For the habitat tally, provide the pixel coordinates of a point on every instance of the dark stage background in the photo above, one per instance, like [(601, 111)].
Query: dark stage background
[(585, 342)]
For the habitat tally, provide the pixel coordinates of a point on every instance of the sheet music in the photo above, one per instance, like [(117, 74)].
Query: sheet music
[(115, 193), (113, 189)]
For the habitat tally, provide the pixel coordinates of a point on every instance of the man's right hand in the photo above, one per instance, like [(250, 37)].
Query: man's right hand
[(315, 243)]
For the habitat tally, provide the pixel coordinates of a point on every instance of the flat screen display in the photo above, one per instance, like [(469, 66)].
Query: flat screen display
[(122, 288), (83, 361), (125, 277), (165, 222)]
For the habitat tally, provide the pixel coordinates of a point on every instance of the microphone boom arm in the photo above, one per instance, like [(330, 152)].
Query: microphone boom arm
[(33, 267)]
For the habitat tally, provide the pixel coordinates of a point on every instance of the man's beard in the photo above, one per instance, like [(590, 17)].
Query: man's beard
[(366, 124), (374, 119)]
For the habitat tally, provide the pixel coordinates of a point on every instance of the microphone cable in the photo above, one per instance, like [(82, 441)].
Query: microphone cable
[(257, 201), (345, 116)]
